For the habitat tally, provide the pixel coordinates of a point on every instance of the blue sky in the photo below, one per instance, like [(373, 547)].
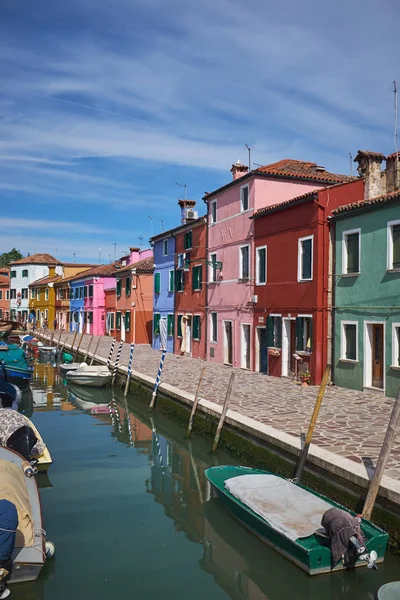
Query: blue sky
[(106, 104)]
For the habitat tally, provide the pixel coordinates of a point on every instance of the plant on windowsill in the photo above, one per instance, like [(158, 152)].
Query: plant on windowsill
[(305, 377)]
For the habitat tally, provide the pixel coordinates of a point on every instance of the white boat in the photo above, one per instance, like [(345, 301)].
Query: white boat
[(65, 368), (31, 549), (85, 375)]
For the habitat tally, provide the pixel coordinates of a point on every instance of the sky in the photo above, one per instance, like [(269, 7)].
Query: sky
[(107, 105)]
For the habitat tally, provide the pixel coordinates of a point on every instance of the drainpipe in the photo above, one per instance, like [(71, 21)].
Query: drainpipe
[(174, 311), (333, 296), (206, 269)]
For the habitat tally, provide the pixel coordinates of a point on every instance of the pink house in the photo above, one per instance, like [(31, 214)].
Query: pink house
[(232, 264)]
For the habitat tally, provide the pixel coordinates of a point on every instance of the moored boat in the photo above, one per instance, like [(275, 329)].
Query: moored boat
[(31, 549), (48, 350), (44, 460), (14, 366), (287, 516), (64, 368), (10, 395), (88, 375)]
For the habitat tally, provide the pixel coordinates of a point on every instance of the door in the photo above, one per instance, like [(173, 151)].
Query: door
[(377, 356), (188, 335), (246, 346), (262, 346), (122, 327), (288, 346), (228, 342)]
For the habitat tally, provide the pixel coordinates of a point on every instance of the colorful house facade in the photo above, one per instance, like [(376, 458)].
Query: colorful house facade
[(5, 293), (367, 282), (230, 295), (42, 301), (292, 291), (164, 295)]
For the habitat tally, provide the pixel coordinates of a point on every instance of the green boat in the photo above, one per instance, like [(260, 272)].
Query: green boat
[(287, 517)]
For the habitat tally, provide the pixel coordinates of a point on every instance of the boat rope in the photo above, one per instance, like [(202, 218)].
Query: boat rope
[(8, 530), (42, 534)]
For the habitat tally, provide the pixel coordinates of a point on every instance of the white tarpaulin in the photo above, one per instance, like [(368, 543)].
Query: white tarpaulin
[(288, 508)]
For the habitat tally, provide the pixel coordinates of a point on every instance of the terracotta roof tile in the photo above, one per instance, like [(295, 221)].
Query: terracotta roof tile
[(300, 169), (37, 259), (366, 203), (69, 264), (285, 204), (45, 280), (108, 270), (4, 281), (169, 232), (146, 265)]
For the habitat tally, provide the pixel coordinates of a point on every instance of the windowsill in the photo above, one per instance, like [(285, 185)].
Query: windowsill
[(350, 274), (261, 283), (396, 270), (304, 280), (395, 367), (213, 342), (197, 290), (243, 279), (274, 348), (349, 360), (303, 353)]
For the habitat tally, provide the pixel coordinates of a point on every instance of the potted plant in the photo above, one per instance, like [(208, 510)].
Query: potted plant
[(305, 377)]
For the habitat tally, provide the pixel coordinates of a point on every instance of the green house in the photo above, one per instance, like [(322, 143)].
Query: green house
[(366, 295)]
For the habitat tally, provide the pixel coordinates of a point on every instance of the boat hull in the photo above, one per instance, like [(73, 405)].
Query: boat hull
[(89, 380), (19, 377), (310, 554)]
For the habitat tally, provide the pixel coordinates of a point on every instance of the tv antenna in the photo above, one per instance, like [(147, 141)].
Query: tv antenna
[(184, 189), (99, 255), (351, 163), (74, 255), (249, 151), (140, 238), (162, 224), (115, 251), (151, 220)]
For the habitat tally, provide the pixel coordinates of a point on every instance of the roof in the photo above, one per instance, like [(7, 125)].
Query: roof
[(287, 203), (71, 277), (45, 281), (68, 264), (365, 204), (369, 153), (108, 270), (142, 266), (289, 168), (37, 259), (170, 232), (4, 281)]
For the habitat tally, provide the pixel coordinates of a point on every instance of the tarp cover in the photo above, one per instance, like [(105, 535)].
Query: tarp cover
[(288, 508), (13, 488)]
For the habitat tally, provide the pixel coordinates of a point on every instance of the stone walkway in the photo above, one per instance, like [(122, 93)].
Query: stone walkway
[(351, 424)]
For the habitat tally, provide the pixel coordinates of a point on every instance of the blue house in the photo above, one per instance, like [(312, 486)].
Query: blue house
[(76, 291), (163, 295)]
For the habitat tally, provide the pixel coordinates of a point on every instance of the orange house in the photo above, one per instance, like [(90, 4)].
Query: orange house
[(130, 320), (5, 293)]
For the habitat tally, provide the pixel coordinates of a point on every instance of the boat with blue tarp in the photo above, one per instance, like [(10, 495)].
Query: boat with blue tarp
[(14, 366)]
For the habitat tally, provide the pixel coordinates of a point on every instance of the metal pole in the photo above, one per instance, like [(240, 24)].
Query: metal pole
[(110, 353), (128, 378), (88, 348), (195, 403), (313, 422), (224, 411), (383, 456), (158, 380), (95, 350), (115, 370)]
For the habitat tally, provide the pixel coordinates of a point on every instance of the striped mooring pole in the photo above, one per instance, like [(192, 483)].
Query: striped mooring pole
[(129, 369), (158, 379), (116, 364), (110, 353)]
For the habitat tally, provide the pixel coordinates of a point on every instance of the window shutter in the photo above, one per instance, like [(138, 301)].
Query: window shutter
[(299, 333), (310, 331), (156, 323), (270, 332), (118, 287), (179, 323), (127, 320), (157, 282), (396, 246), (200, 277), (170, 324), (85, 291), (279, 344), (128, 286), (171, 281), (306, 262), (196, 327)]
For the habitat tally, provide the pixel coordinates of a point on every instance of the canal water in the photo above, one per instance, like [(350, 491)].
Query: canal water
[(127, 505)]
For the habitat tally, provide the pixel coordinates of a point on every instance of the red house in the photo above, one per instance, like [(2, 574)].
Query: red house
[(190, 284), (293, 283)]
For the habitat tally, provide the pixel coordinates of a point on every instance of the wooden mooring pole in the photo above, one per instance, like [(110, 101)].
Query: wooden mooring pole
[(224, 411), (128, 377), (383, 456), (313, 422), (59, 339), (73, 340), (95, 350), (80, 342), (195, 403), (158, 380), (88, 348), (116, 364)]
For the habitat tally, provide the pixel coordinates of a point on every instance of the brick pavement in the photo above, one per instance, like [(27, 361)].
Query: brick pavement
[(351, 424)]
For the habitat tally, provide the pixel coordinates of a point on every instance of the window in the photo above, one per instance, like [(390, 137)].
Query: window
[(127, 320), (351, 251), (76, 293), (180, 280), (85, 315), (1, 294), (25, 273), (349, 341), (304, 334), (156, 323), (8, 295), (85, 291), (214, 327), (213, 268), (244, 198), (305, 259), (244, 264), (71, 293), (179, 325), (196, 327), (170, 325), (118, 320), (46, 314), (394, 245), (157, 282), (197, 277), (33, 294), (25, 294), (171, 281), (396, 345), (13, 274), (188, 240), (165, 247), (13, 294), (119, 285), (274, 332), (38, 315), (128, 286), (261, 265), (90, 291), (81, 293), (46, 293), (213, 212), (38, 294)]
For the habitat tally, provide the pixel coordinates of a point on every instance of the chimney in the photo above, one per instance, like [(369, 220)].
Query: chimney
[(186, 206), (369, 166), (239, 170), (52, 271), (134, 255), (393, 172)]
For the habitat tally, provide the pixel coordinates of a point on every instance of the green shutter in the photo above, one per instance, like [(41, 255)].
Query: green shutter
[(127, 320), (170, 325), (310, 333), (118, 320), (179, 326), (157, 282), (171, 281), (279, 344), (196, 327), (188, 240), (299, 333), (195, 278), (156, 323), (128, 285), (119, 284), (396, 246), (200, 277)]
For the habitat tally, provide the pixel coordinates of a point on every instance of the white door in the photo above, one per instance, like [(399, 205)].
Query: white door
[(80, 322), (189, 335), (122, 327), (245, 347), (285, 346)]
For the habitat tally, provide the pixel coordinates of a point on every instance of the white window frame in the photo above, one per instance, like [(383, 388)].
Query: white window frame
[(300, 256), (213, 209), (242, 209), (258, 282), (241, 264), (212, 270), (395, 346), (390, 244), (46, 293), (345, 235), (343, 342), (46, 314), (213, 330), (38, 294)]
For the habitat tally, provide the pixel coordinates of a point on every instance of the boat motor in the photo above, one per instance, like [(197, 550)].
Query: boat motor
[(363, 554)]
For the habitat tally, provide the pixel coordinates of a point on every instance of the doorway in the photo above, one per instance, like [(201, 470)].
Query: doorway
[(261, 350), (374, 358), (228, 343), (188, 334), (288, 346), (245, 346), (122, 327)]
